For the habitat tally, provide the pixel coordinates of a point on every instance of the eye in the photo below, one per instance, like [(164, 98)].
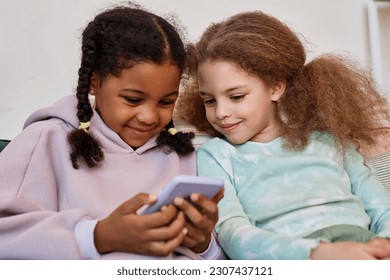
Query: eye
[(167, 102), (237, 97), (209, 101), (133, 100)]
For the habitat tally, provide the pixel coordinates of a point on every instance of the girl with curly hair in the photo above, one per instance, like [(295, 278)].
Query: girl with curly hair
[(290, 131), (73, 180)]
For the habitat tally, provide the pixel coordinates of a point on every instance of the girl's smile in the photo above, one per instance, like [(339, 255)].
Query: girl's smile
[(229, 127)]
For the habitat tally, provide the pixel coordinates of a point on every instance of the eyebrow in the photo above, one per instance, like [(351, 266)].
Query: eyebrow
[(133, 90), (202, 93)]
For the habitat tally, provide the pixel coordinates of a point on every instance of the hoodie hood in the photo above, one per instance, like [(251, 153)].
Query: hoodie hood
[(66, 110)]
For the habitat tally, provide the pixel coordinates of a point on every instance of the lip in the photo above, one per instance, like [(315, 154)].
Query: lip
[(229, 127), (140, 131)]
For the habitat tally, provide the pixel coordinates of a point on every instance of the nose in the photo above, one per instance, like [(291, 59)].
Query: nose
[(222, 110), (148, 115)]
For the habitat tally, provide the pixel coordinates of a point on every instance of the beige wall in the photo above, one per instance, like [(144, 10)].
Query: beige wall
[(39, 40)]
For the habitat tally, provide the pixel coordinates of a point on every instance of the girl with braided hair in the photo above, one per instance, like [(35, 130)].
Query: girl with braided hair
[(73, 180), (288, 145)]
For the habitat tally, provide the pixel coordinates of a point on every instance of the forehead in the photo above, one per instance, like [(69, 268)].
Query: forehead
[(222, 75), (154, 72), (147, 77)]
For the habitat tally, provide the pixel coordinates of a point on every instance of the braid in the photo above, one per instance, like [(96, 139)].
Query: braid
[(83, 143), (115, 40), (84, 109), (180, 142)]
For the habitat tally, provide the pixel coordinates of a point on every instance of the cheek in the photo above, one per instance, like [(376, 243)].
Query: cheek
[(121, 114), (209, 114), (114, 121), (166, 116)]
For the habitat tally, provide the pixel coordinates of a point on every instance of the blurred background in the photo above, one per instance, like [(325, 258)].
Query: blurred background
[(40, 40)]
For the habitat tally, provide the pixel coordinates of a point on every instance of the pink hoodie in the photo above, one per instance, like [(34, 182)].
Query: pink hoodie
[(43, 198)]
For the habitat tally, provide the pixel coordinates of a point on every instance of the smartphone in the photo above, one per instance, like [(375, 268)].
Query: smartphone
[(183, 186)]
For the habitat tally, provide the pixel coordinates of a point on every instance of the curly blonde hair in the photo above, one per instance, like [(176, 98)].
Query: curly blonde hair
[(330, 94)]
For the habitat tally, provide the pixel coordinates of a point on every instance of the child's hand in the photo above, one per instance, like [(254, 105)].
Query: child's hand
[(381, 242), (350, 251), (157, 234), (201, 220)]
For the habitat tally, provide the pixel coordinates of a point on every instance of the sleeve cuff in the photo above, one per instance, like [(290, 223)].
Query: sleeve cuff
[(214, 251), (84, 237)]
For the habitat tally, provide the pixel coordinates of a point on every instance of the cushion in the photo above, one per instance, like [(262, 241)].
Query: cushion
[(3, 143), (382, 165)]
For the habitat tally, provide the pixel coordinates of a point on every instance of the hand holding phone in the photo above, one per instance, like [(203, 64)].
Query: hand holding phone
[(183, 186)]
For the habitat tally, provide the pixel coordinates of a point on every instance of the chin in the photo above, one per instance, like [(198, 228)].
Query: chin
[(135, 145), (235, 141)]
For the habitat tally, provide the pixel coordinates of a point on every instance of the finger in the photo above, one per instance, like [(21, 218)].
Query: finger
[(379, 252), (167, 232), (207, 206), (218, 196), (189, 242), (200, 220), (136, 202), (159, 248), (193, 237), (381, 242), (191, 212), (161, 218), (193, 232)]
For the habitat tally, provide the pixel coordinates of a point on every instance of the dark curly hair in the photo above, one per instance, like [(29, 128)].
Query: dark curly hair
[(330, 94), (118, 39)]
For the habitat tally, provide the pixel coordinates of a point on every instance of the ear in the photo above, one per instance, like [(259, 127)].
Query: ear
[(95, 84), (278, 89)]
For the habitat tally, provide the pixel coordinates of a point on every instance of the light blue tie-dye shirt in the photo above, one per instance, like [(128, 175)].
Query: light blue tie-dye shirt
[(274, 197)]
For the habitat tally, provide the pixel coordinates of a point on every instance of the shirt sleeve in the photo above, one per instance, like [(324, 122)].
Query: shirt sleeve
[(31, 226), (366, 185), (237, 235), (84, 234)]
